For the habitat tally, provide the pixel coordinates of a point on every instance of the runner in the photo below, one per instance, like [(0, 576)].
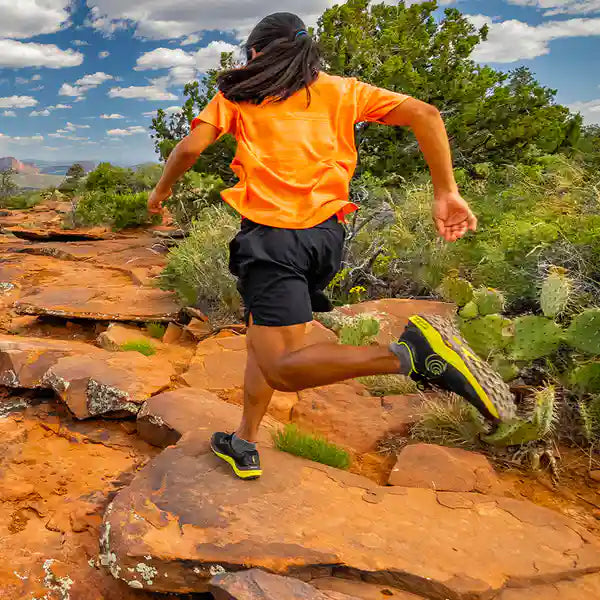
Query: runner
[(294, 125)]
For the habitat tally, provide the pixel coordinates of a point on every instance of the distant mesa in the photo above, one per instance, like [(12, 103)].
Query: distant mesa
[(22, 168)]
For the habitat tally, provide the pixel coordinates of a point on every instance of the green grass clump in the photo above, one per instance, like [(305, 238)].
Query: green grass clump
[(290, 439), (142, 346), (389, 385), (156, 330)]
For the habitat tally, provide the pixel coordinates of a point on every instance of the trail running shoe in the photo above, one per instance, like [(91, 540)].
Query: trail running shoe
[(441, 358), (246, 465)]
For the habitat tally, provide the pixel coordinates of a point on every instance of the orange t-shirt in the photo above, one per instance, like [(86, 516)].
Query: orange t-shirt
[(295, 162)]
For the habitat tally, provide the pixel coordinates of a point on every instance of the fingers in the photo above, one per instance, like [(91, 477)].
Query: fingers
[(472, 221)]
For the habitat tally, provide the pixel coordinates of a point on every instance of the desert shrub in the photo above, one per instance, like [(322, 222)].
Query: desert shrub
[(192, 194), (21, 201), (197, 268), (118, 211), (142, 346), (316, 448), (156, 330)]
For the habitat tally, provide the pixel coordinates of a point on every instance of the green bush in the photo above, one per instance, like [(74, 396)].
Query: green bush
[(142, 346), (21, 201), (197, 268), (290, 439), (156, 330), (118, 211), (194, 193)]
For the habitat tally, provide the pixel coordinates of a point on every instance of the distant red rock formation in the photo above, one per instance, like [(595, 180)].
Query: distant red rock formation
[(9, 162)]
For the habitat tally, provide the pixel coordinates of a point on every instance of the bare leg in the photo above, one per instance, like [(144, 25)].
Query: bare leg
[(257, 395), (288, 366)]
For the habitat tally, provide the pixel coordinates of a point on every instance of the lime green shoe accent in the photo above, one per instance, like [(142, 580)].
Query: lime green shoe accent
[(440, 347), (253, 474), (413, 368)]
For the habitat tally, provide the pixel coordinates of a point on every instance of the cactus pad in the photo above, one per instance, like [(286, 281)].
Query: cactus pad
[(535, 337), (585, 379), (556, 291), (469, 311), (507, 369), (457, 290), (487, 335), (538, 426), (584, 332), (489, 301)]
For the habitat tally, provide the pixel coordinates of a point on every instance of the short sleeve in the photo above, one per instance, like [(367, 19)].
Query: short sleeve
[(219, 112), (373, 103)]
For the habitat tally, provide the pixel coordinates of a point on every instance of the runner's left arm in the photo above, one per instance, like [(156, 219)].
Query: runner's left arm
[(181, 160)]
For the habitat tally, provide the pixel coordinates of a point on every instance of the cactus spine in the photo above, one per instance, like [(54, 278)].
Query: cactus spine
[(535, 337)]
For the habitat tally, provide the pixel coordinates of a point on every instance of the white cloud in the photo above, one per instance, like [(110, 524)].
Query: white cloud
[(9, 113), (104, 54), (183, 66), (21, 140), (156, 91), (194, 38), (590, 111), (16, 54), (46, 111), (37, 88), (72, 127), (125, 132), (21, 80), (113, 116), (179, 18), (557, 7), (512, 40), (17, 102), (27, 18), (80, 43), (36, 77), (83, 85)]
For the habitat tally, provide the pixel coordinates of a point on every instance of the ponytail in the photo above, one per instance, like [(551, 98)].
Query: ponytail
[(287, 60)]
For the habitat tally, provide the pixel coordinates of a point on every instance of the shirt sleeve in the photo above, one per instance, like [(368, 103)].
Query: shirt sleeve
[(220, 113), (373, 103)]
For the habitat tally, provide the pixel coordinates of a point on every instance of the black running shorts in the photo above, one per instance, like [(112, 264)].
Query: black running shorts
[(282, 272)]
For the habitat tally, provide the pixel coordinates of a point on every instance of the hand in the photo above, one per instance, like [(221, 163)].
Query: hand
[(156, 199), (452, 216)]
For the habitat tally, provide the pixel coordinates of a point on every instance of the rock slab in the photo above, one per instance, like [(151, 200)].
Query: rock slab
[(185, 517), (165, 418), (111, 384), (444, 469), (24, 361), (255, 584)]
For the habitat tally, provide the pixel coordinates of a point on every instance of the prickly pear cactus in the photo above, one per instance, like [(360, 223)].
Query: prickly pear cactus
[(507, 369), (538, 426), (535, 337), (555, 294), (584, 332), (585, 379), (454, 289), (489, 301), (360, 330), (487, 335), (469, 311)]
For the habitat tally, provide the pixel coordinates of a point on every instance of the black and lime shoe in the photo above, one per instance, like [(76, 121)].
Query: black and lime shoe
[(246, 465), (442, 359)]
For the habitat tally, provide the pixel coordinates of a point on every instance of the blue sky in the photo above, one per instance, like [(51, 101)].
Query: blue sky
[(79, 79)]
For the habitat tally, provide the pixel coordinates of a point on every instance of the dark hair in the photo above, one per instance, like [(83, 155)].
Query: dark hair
[(288, 60)]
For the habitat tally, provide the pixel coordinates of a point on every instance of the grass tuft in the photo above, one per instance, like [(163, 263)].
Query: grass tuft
[(156, 330), (142, 346), (290, 439)]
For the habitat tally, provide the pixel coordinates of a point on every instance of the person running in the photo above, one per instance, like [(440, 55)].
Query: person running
[(296, 154)]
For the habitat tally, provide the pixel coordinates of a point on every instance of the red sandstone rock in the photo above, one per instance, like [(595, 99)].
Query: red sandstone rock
[(185, 517), (345, 414), (116, 383), (165, 418), (60, 235), (173, 334), (116, 335), (395, 312), (444, 469), (24, 361), (363, 591), (255, 584), (585, 588)]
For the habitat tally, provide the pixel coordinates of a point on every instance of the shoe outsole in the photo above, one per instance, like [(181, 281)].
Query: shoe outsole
[(246, 475), (499, 399)]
